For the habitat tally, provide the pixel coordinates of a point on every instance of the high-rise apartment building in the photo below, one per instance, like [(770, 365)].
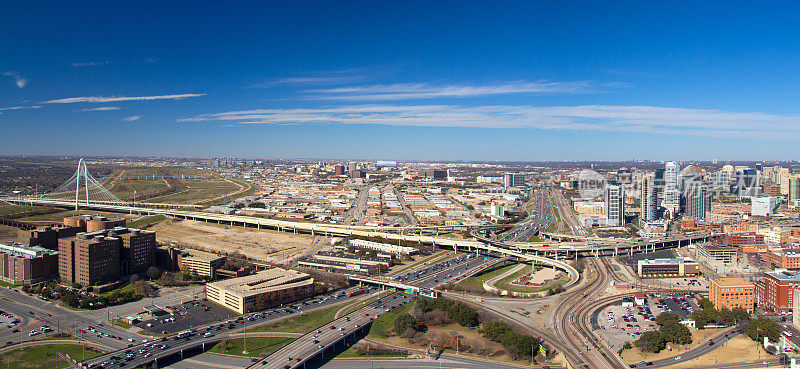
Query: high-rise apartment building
[(698, 202), (513, 180), (672, 196), (747, 184), (649, 197), (615, 205), (782, 179), (793, 190), (88, 260)]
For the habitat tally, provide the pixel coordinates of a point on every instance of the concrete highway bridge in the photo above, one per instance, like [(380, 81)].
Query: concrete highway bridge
[(563, 246)]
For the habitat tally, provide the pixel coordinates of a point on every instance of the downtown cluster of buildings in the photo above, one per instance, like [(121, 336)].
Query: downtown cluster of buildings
[(667, 193)]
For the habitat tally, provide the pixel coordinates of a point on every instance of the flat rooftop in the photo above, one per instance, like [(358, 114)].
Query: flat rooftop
[(784, 275), (273, 279), (664, 261), (732, 281), (24, 251), (201, 256)]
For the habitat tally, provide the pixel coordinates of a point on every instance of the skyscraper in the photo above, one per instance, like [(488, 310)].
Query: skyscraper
[(649, 197), (615, 205), (747, 184), (793, 190), (672, 196), (698, 202), (782, 178)]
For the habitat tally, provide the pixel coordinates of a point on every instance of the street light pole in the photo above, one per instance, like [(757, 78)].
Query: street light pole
[(245, 337)]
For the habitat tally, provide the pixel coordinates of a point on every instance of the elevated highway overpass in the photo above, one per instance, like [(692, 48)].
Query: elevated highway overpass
[(543, 253)]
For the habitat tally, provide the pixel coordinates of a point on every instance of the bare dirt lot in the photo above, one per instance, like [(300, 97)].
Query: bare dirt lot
[(254, 243), (7, 234)]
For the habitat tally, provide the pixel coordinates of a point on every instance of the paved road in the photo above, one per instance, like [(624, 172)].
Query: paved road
[(175, 345), (318, 341), (539, 218), (57, 317), (409, 214), (211, 361), (701, 350)]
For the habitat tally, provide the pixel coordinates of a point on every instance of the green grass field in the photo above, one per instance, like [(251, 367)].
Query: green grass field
[(256, 346), (44, 357), (477, 281), (535, 238), (145, 221), (18, 211), (199, 191), (385, 323), (145, 188), (305, 322)]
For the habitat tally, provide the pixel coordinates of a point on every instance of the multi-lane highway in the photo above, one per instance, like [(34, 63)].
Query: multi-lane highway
[(540, 216), (316, 342), (144, 353)]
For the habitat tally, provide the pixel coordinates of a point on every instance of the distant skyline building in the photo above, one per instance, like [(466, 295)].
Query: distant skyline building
[(672, 196), (615, 205), (338, 169), (793, 190), (513, 180), (747, 184), (649, 197)]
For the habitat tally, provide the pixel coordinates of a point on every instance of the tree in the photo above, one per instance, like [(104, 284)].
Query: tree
[(676, 333), (627, 345), (665, 318), (740, 314), (705, 317), (705, 304), (403, 323), (651, 342), (464, 315), (153, 272), (763, 327)]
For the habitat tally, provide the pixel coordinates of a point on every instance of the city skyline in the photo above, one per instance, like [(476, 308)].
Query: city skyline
[(528, 82)]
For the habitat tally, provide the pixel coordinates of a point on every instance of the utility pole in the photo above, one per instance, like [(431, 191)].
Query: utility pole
[(245, 337)]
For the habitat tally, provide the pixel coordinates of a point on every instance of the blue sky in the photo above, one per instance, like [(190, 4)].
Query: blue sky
[(406, 80)]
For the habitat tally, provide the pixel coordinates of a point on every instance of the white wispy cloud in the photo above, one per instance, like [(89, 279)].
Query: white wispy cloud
[(107, 99), (21, 107), (606, 118), (90, 64), (21, 82), (102, 108), (407, 91), (132, 118), (149, 60)]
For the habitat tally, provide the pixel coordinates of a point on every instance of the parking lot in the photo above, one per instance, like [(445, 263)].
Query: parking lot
[(620, 324), (185, 316), (7, 320)]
